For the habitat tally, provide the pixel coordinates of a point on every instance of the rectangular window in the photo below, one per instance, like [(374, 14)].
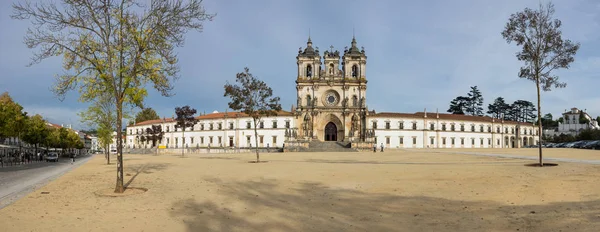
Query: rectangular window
[(414, 140), (444, 127), (387, 140), (220, 141), (462, 141), (387, 125), (489, 141), (202, 140), (287, 124), (472, 128), (452, 141), (414, 126), (462, 127), (506, 130), (248, 126), (192, 140), (261, 139), (210, 139), (202, 126), (248, 141), (480, 141), (489, 129), (231, 125), (512, 130), (481, 128), (432, 141), (443, 140), (374, 125), (452, 128), (262, 125), (401, 126), (210, 126), (176, 141), (431, 126), (168, 128), (219, 126), (274, 124), (472, 141), (401, 140), (274, 140)]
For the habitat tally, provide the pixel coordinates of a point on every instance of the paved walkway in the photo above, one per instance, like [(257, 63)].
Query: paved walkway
[(18, 181)]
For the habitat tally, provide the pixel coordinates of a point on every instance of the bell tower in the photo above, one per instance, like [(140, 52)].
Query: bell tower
[(354, 63)]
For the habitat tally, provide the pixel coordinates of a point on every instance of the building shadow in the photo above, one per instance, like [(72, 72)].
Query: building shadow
[(265, 205)]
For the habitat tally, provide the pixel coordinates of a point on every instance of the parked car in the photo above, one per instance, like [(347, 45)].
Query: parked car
[(52, 157), (591, 144)]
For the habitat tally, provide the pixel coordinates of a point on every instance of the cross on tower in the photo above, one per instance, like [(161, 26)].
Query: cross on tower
[(331, 47)]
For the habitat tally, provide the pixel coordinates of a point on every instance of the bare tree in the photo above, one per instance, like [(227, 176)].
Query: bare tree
[(543, 51), (112, 48), (254, 98)]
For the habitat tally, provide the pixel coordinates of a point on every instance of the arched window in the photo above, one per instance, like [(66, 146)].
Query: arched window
[(354, 101), (354, 71), (309, 71), (331, 68), (308, 101)]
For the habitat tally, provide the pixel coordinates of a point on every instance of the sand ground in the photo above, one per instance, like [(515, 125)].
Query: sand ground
[(401, 190)]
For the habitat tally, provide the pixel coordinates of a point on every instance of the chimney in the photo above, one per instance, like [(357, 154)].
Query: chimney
[(425, 111), (437, 113)]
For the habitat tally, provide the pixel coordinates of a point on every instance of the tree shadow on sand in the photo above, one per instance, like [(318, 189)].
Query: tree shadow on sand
[(137, 169), (265, 206)]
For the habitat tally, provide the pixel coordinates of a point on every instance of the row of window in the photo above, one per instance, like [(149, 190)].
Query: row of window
[(453, 128), (452, 141), (219, 126), (211, 140)]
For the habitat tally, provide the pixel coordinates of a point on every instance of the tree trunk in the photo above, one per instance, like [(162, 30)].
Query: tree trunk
[(107, 154), (182, 141), (119, 186), (537, 84), (256, 141)]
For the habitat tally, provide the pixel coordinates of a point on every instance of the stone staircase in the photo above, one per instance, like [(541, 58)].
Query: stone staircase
[(319, 146)]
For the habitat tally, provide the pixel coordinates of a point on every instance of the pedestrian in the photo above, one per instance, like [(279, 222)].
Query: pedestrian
[(268, 148), (72, 158), (381, 147), (374, 147)]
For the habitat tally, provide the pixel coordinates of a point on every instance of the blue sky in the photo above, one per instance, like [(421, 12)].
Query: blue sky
[(421, 54)]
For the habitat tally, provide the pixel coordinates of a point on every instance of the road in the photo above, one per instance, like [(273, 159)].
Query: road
[(18, 181)]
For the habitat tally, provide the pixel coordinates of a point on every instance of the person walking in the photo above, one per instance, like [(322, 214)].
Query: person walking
[(72, 158), (374, 147), (381, 147)]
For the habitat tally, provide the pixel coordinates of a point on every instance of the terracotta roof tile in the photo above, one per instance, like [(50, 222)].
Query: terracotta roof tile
[(209, 116)]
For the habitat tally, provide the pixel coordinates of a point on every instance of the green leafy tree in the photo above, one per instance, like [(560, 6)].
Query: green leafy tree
[(543, 50), (12, 118), (475, 102), (145, 115), (36, 132), (582, 118), (598, 119), (252, 97), (498, 108), (113, 48), (101, 115), (185, 119), (459, 105)]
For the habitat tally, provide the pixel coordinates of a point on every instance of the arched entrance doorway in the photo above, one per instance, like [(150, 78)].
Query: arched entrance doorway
[(330, 132)]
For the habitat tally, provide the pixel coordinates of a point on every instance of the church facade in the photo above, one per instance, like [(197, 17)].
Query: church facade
[(332, 106)]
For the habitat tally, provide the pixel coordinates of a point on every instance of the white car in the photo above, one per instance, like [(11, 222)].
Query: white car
[(52, 157)]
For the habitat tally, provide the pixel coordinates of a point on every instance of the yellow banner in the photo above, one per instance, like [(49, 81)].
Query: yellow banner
[(162, 147)]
